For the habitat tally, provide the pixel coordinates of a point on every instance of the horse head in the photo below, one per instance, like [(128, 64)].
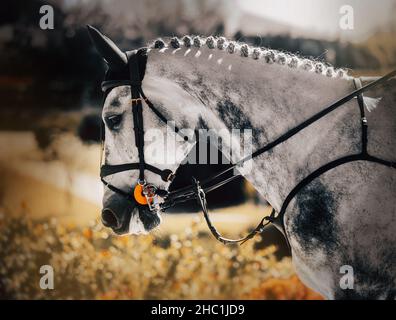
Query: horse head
[(130, 205)]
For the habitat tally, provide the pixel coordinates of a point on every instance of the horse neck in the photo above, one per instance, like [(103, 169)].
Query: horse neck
[(240, 92)]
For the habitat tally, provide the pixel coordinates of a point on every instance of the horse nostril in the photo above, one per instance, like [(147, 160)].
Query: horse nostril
[(109, 219)]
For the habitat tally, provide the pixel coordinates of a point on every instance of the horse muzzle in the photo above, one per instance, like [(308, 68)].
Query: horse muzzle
[(128, 216)]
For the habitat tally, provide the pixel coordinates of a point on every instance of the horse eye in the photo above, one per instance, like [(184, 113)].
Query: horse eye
[(113, 122)]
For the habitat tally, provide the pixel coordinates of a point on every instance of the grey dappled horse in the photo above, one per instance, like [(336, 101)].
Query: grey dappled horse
[(344, 217)]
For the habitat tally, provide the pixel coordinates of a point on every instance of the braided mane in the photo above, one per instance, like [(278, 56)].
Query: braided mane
[(268, 55)]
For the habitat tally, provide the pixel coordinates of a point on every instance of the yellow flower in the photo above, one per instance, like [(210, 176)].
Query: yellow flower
[(87, 233), (105, 253)]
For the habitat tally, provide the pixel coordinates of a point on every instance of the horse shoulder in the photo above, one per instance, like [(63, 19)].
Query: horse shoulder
[(346, 217)]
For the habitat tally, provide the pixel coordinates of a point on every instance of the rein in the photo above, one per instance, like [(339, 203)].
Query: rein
[(148, 194)]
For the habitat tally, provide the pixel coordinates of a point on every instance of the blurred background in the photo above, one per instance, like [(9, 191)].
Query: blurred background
[(50, 102)]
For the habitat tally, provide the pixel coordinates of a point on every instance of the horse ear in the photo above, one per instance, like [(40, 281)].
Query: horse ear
[(114, 57)]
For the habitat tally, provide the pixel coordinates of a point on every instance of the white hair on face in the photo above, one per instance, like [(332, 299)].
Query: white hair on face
[(246, 51), (136, 225)]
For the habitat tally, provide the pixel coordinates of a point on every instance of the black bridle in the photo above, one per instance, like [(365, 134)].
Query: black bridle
[(136, 64), (135, 60)]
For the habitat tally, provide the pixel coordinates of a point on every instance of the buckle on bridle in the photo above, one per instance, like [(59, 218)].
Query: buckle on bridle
[(170, 177), (146, 194), (150, 193), (138, 100), (149, 190)]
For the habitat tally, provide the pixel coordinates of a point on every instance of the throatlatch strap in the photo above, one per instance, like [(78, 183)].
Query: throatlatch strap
[(359, 97)]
